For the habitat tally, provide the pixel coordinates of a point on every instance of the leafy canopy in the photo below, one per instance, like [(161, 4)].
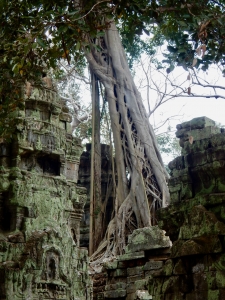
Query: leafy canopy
[(36, 34)]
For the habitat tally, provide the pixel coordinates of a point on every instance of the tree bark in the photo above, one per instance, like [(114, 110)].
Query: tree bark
[(140, 171), (98, 215)]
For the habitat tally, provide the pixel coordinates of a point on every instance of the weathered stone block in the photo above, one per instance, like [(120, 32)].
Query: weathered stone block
[(135, 278), (179, 268), (118, 285), (209, 178), (198, 268), (201, 245), (171, 285), (216, 141), (167, 269), (143, 295), (147, 238), (200, 282), (118, 273), (115, 294), (201, 222), (154, 273), (153, 265), (137, 285), (196, 134), (155, 285), (158, 297), (135, 271), (100, 296), (100, 276), (127, 263), (177, 163), (181, 186), (175, 296), (219, 263), (180, 176), (214, 295), (98, 289), (196, 123), (139, 295), (175, 284), (131, 296), (131, 256), (65, 117), (220, 279), (198, 296), (196, 159), (200, 158), (211, 280), (99, 282)]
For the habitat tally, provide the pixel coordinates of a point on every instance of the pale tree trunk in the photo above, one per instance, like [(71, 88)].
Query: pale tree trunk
[(140, 172), (98, 214)]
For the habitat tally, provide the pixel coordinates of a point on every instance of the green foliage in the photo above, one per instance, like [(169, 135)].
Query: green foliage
[(194, 31), (169, 146), (185, 25), (36, 34)]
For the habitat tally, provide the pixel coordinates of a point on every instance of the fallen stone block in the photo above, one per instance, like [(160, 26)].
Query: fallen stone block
[(147, 238)]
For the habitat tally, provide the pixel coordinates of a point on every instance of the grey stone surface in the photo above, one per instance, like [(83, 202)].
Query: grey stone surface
[(147, 238)]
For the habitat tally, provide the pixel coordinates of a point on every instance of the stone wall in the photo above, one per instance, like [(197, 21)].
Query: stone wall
[(127, 277), (41, 205), (84, 179), (194, 267)]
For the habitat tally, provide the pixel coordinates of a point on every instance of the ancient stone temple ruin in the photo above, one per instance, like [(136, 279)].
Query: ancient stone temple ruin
[(41, 205), (188, 263)]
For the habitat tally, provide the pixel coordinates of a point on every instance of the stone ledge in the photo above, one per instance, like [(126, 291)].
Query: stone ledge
[(131, 256), (115, 294), (147, 238)]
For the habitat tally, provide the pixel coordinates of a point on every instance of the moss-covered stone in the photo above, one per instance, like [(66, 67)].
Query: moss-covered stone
[(147, 238), (194, 221), (201, 222), (41, 206)]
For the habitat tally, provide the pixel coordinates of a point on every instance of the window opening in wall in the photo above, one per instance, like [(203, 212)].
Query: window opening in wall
[(49, 164)]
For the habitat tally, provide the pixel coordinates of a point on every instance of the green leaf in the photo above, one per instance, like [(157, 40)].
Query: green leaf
[(100, 33), (15, 68), (78, 46), (72, 13), (41, 42), (182, 23)]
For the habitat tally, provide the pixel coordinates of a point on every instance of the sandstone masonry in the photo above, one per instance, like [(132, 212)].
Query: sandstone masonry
[(193, 267), (41, 205)]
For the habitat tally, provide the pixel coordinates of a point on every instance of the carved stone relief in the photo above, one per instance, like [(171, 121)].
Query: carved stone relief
[(41, 207)]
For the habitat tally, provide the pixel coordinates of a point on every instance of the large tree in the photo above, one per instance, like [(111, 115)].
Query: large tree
[(36, 34)]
